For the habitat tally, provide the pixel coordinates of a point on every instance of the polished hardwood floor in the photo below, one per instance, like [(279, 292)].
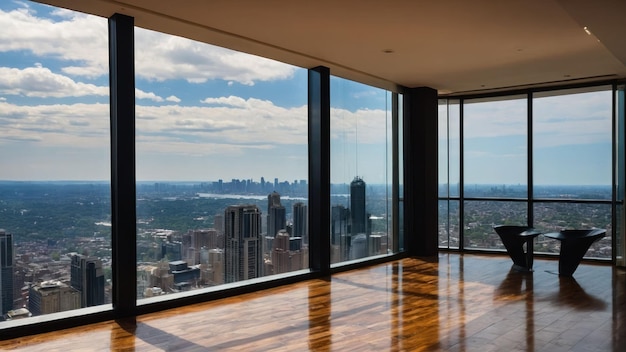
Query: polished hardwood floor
[(454, 303)]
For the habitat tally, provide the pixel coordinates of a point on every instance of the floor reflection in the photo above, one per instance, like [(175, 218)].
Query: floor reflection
[(320, 333), (572, 294)]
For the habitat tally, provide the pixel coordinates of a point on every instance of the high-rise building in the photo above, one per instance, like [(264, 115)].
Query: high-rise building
[(172, 250), (339, 237), (301, 222), (358, 214), (51, 297), (6, 272), (218, 223), (243, 257), (360, 222), (87, 277), (276, 214), (216, 262)]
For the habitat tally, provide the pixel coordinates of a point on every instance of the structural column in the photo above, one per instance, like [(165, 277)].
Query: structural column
[(420, 171), (123, 195), (319, 170)]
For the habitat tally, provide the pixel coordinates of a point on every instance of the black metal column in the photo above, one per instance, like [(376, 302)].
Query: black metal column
[(319, 170), (123, 196), (420, 171)]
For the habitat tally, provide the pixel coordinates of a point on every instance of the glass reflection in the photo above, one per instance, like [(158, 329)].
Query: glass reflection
[(360, 171)]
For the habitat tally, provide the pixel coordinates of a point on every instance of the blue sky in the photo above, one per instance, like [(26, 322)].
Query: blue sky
[(202, 112), (571, 140)]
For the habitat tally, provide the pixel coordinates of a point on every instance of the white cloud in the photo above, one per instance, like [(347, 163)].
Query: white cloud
[(228, 101), (233, 123), (81, 42), (161, 57), (84, 125), (41, 82), (75, 38), (173, 98), (140, 94)]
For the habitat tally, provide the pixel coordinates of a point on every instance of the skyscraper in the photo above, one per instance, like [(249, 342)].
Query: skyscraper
[(243, 257), (339, 237), (358, 215), (276, 214), (172, 250), (301, 222), (87, 277), (6, 272)]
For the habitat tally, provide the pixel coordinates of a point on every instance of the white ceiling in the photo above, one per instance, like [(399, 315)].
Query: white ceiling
[(454, 46)]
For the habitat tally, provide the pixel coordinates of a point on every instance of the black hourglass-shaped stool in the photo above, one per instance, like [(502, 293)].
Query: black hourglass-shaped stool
[(574, 245), (513, 237)]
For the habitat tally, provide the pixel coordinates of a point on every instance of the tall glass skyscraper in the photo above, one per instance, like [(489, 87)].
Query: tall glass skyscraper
[(242, 243), (300, 222), (87, 277), (6, 272), (358, 214), (276, 214)]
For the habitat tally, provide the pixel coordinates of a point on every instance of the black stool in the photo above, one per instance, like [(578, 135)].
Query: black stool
[(513, 237), (574, 245)]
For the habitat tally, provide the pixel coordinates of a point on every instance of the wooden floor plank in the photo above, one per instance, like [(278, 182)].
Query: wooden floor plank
[(458, 303)]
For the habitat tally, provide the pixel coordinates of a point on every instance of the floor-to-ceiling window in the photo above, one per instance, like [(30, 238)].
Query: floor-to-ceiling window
[(449, 172), (55, 254), (361, 171), (221, 166), (572, 172), (494, 168), (550, 150)]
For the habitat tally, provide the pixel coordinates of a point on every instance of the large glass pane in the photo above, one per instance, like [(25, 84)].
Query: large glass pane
[(449, 172), (360, 171), (481, 216), (222, 157), (572, 140), (495, 147), (554, 217), (55, 242), (572, 149)]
